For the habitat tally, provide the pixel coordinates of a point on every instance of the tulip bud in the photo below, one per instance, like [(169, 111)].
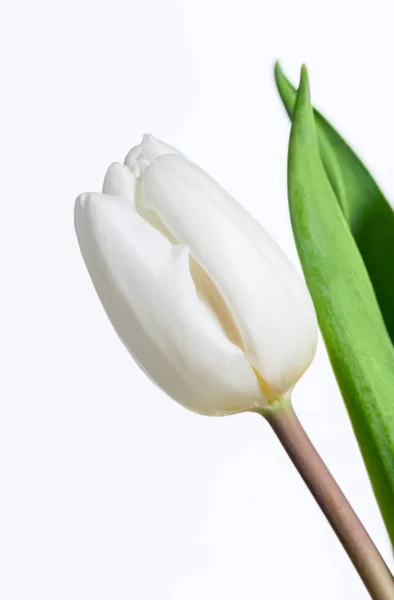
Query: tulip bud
[(201, 296)]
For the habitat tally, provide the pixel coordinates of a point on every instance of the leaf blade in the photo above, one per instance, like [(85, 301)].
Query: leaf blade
[(357, 341)]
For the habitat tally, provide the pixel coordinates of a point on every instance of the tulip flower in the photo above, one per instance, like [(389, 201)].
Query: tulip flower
[(202, 297), (211, 309)]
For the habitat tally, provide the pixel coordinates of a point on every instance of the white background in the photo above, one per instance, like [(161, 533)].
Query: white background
[(109, 490)]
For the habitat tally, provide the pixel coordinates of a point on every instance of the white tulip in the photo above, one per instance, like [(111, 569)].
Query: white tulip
[(201, 296)]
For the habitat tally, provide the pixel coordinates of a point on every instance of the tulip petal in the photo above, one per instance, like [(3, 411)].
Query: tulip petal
[(268, 300), (151, 148), (119, 181), (147, 290)]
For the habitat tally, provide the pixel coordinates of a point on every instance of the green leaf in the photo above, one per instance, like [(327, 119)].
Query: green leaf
[(350, 320), (370, 216)]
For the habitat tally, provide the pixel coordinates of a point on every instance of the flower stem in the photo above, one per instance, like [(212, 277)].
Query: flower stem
[(342, 518)]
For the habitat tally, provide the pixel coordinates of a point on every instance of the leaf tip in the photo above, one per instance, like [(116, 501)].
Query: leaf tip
[(278, 74), (304, 96)]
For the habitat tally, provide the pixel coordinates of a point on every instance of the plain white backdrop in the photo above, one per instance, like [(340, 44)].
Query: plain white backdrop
[(109, 490)]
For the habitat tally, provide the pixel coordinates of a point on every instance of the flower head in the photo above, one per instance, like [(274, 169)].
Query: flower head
[(199, 293)]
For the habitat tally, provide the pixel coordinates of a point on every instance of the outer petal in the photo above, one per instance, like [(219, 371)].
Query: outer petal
[(144, 283), (151, 148), (268, 300)]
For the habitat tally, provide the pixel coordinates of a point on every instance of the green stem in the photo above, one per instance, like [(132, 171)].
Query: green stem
[(342, 518)]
